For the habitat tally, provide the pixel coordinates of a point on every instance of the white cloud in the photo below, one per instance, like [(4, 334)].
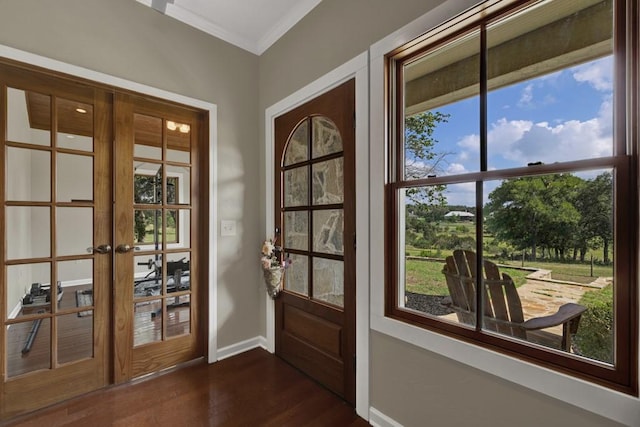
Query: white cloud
[(526, 97), (598, 74)]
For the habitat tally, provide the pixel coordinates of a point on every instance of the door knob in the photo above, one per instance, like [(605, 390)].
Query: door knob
[(123, 249), (102, 249)]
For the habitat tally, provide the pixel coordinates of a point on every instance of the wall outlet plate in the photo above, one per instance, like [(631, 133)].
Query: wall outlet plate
[(227, 228)]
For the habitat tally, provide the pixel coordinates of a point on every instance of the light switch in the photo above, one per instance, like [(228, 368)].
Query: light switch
[(227, 228)]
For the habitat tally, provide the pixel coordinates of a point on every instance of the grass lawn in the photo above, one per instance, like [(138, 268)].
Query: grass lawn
[(580, 273)]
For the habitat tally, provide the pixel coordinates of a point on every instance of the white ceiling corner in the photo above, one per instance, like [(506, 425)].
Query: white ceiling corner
[(253, 25)]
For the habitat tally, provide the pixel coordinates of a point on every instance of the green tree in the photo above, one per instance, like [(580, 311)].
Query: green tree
[(595, 203)]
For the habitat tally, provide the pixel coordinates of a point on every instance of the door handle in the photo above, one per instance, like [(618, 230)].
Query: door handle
[(102, 249), (123, 249)]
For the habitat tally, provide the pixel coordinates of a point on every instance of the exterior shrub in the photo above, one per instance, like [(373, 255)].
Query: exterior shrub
[(595, 334)]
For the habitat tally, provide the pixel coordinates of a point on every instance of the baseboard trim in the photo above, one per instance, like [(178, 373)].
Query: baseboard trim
[(241, 347), (378, 419)]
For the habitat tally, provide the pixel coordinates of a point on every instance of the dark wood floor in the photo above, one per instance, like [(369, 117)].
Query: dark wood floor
[(252, 389)]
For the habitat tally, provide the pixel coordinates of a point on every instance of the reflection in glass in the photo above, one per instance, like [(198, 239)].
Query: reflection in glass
[(326, 137), (76, 279), (75, 336), (28, 347), (27, 289), (147, 322), (178, 277), (181, 221), (74, 230), (75, 125), (75, 178), (298, 146), (178, 141), (328, 231), (147, 275), (296, 230), (296, 277), (28, 175), (28, 232), (178, 185), (178, 316), (28, 117), (328, 182), (147, 227), (328, 281), (147, 183), (296, 187), (172, 230), (148, 137)]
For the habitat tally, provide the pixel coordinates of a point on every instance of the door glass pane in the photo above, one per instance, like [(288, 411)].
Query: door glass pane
[(76, 279), (28, 117), (328, 231), (178, 315), (28, 232), (296, 277), (75, 336), (296, 230), (28, 347), (28, 175), (75, 125), (147, 322), (178, 185), (178, 141), (74, 182), (179, 228), (296, 187), (172, 230), (148, 137), (74, 230), (28, 290), (178, 277), (147, 276), (326, 137), (328, 281), (148, 227), (147, 183), (328, 185), (298, 145)]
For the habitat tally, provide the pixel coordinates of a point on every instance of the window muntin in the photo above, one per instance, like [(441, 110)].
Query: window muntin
[(539, 112)]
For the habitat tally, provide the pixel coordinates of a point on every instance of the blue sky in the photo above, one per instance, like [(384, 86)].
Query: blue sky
[(562, 116)]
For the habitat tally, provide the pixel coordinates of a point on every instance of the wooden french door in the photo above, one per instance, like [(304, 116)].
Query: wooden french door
[(315, 211), (100, 193)]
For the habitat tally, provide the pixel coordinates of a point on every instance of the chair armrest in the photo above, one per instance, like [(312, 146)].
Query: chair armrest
[(565, 313)]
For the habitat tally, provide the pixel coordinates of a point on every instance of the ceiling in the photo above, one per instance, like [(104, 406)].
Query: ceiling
[(253, 25)]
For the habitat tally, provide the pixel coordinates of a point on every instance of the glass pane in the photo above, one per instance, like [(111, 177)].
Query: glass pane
[(430, 233), (76, 279), (148, 137), (28, 347), (147, 183), (328, 182), (75, 178), (328, 281), (551, 102), (298, 145), (178, 142), (28, 291), (75, 336), (28, 175), (558, 227), (296, 187), (147, 322), (178, 272), (147, 275), (296, 277), (178, 316), (28, 117), (178, 185), (326, 137), (28, 232), (75, 125), (441, 106), (173, 227), (148, 227), (179, 228), (328, 231), (74, 231), (296, 230)]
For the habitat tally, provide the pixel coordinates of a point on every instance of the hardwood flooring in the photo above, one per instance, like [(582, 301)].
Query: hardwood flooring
[(252, 389)]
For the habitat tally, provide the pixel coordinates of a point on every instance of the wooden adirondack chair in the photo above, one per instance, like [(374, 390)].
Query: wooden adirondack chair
[(503, 309)]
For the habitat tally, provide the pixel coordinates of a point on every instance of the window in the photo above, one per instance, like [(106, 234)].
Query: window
[(512, 170)]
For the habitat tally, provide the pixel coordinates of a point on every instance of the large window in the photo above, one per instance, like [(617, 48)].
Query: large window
[(512, 170)]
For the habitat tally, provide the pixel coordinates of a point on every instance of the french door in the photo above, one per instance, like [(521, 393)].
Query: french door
[(99, 272), (315, 211)]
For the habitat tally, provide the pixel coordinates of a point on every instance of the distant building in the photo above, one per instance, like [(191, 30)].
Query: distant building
[(466, 216)]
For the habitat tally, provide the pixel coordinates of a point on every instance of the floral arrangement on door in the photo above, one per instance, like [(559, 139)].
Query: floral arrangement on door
[(273, 266)]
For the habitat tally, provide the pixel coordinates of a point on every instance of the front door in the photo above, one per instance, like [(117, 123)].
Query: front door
[(315, 211)]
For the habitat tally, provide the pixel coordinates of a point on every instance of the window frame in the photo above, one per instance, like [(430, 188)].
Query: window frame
[(623, 376)]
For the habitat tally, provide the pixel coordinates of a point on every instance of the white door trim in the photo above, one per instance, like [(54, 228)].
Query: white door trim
[(52, 64), (358, 68)]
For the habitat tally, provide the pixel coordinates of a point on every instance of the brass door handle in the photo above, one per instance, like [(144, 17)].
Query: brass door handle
[(123, 249), (102, 249)]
